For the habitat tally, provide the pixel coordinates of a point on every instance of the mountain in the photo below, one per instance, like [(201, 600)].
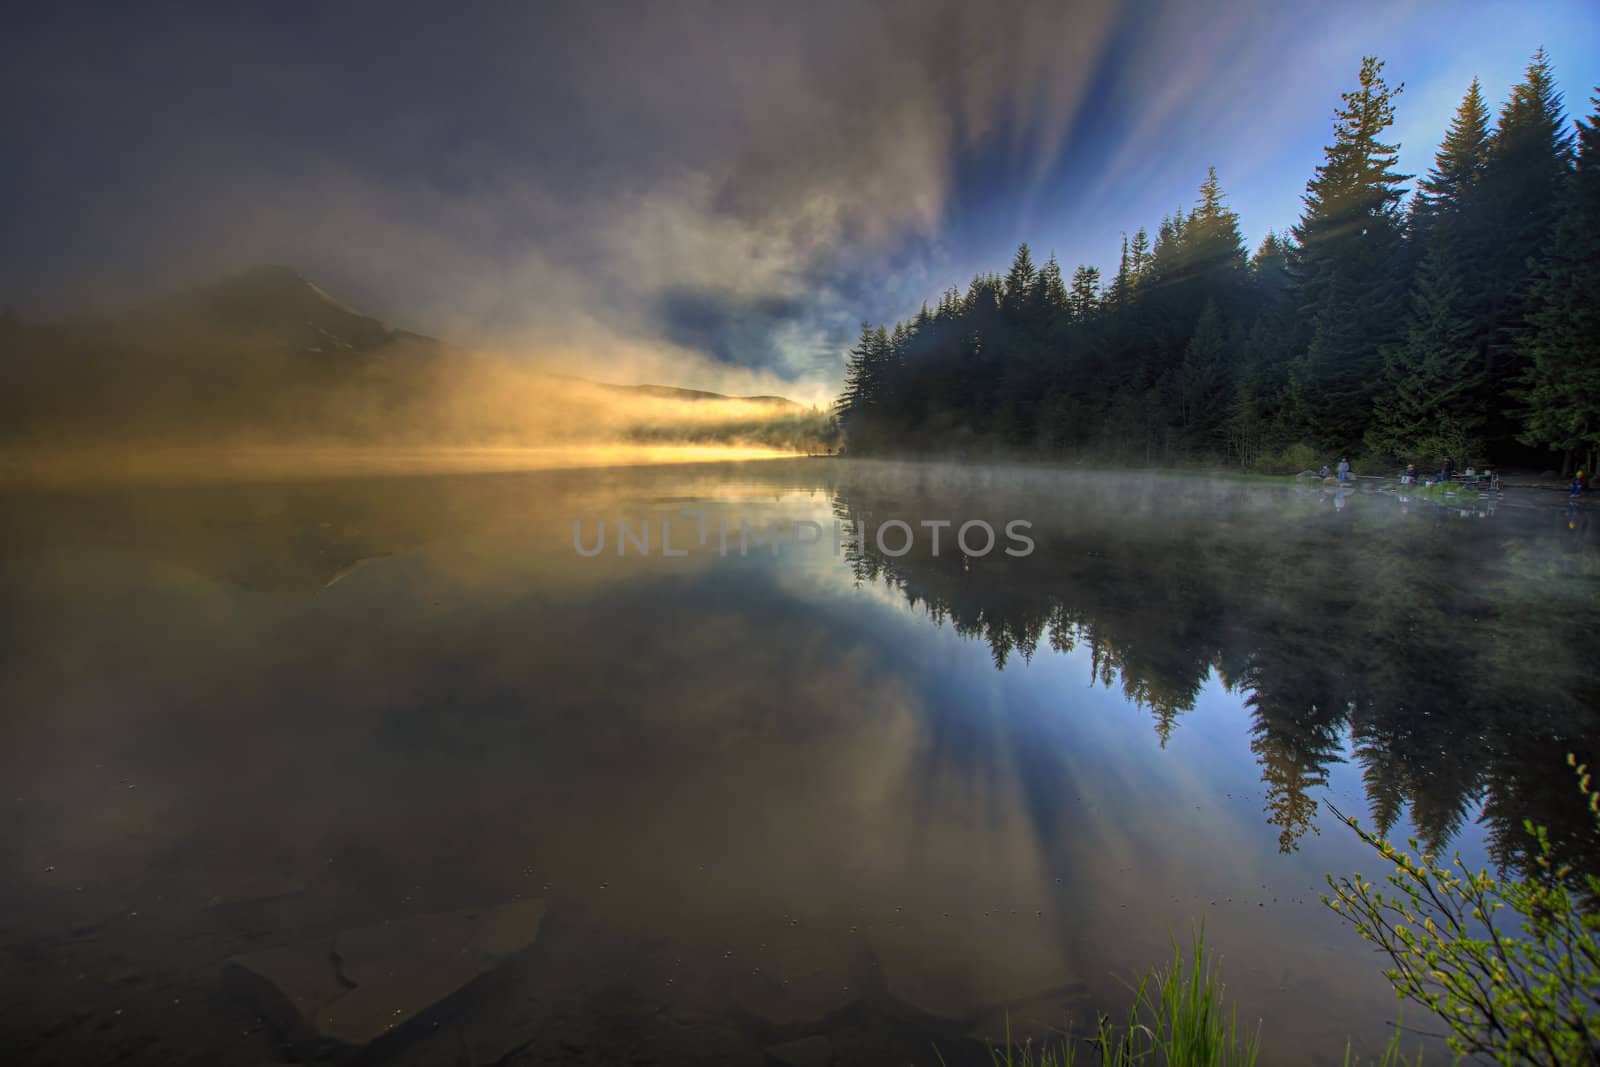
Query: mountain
[(268, 357), (274, 300)]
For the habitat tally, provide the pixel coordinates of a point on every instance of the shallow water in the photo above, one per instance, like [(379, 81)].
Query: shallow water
[(888, 799)]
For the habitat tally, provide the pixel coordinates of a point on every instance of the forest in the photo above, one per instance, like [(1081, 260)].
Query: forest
[(1391, 324)]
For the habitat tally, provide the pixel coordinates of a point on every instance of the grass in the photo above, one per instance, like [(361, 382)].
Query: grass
[(1177, 1019)]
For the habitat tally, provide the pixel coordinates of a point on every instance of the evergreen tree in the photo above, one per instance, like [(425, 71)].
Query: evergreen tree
[(1561, 386), (1203, 379), (1458, 165), (1524, 186), (1083, 299), (1020, 278), (1427, 408), (1430, 402), (1214, 246), (1122, 283), (1051, 291), (1139, 253), (1269, 268), (1248, 422), (864, 377), (1349, 240)]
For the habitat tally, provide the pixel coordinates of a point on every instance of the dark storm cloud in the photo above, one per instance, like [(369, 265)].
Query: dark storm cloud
[(655, 187)]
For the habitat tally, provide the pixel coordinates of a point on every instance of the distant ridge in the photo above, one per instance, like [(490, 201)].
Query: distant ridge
[(276, 298), (266, 357), (274, 301), (279, 301)]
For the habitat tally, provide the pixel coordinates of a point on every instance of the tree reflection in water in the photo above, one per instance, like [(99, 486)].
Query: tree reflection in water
[(1442, 650)]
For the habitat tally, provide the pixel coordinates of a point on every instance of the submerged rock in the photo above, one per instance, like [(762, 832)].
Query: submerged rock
[(355, 987)]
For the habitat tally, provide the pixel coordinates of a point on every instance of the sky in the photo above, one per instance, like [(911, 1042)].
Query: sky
[(712, 194)]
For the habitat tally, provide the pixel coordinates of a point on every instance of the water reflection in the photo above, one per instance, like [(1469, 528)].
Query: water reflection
[(1451, 652), (864, 797)]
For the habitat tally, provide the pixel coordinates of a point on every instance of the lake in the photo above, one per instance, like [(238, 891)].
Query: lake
[(272, 742)]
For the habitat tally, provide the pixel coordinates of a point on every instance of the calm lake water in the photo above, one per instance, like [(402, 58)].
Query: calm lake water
[(889, 800)]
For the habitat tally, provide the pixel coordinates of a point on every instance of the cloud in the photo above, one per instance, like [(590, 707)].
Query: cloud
[(611, 176), (697, 189)]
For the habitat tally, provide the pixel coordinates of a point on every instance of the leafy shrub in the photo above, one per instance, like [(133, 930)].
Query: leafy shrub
[(1521, 997), (1294, 459)]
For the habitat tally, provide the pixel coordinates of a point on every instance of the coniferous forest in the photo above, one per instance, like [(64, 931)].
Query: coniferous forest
[(1402, 319)]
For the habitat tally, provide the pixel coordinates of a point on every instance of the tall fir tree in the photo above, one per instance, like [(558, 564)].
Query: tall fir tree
[(1139, 253), (1524, 182), (1215, 248), (1430, 401), (1121, 288), (1050, 292), (1020, 278), (1458, 165), (862, 379), (1269, 268), (1427, 408), (1349, 241), (1203, 380), (1083, 299), (1561, 347)]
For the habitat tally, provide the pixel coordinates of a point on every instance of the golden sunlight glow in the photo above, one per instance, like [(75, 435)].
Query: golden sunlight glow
[(190, 465)]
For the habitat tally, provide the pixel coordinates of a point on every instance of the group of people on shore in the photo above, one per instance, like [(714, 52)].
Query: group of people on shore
[(1447, 473), (1342, 472), (1412, 476)]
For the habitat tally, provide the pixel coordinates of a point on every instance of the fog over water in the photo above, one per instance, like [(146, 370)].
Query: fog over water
[(890, 800)]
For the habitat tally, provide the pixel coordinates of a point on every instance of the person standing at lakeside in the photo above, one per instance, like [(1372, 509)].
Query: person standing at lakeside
[(1344, 470)]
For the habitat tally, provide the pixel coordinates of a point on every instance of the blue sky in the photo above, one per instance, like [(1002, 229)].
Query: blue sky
[(712, 194)]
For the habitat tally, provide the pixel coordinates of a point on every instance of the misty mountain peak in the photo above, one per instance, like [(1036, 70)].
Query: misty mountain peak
[(277, 299)]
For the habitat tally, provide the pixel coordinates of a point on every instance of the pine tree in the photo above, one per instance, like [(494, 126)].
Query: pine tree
[(1349, 239), (1121, 290), (1139, 253), (1561, 386), (1458, 165), (1212, 233), (1020, 278), (1247, 424), (1050, 289), (1430, 402), (1427, 408), (1083, 299), (1524, 186), (1269, 267), (863, 378), (1203, 383)]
